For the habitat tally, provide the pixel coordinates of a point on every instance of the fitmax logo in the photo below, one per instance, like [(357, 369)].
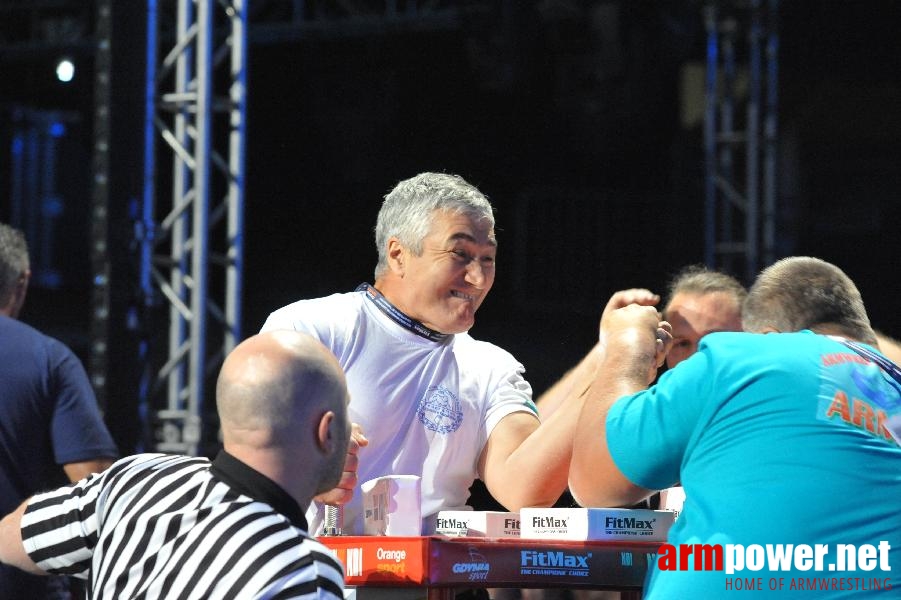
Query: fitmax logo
[(628, 523), (540, 522), (452, 524), (552, 560)]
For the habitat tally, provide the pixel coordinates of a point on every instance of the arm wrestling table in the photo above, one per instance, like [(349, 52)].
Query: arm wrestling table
[(444, 565)]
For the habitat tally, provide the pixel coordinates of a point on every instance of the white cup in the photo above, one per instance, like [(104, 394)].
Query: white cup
[(392, 506)]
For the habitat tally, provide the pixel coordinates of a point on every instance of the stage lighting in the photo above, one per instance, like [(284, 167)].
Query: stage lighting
[(65, 70)]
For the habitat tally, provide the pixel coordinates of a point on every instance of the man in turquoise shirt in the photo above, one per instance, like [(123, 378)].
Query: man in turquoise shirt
[(785, 443)]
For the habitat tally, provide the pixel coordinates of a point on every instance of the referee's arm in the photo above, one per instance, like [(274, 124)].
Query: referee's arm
[(12, 551)]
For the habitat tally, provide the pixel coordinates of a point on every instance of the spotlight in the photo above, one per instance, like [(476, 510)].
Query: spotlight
[(65, 70)]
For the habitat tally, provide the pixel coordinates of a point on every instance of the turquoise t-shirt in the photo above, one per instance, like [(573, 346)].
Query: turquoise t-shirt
[(777, 439)]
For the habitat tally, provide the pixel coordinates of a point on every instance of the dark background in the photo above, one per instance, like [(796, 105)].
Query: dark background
[(571, 116)]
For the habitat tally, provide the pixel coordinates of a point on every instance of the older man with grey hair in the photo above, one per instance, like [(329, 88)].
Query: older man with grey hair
[(433, 401)]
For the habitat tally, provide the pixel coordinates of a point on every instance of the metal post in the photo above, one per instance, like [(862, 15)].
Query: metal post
[(235, 258), (734, 157), (771, 135), (100, 263), (191, 239), (752, 168), (710, 102)]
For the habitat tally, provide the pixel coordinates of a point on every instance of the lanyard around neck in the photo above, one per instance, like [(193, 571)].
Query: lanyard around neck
[(396, 315)]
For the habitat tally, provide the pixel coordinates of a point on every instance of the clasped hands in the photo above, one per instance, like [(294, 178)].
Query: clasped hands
[(631, 327)]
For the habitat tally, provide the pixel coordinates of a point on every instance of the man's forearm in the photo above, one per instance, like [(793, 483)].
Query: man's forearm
[(634, 351), (79, 470), (12, 552), (572, 385), (534, 464), (594, 479)]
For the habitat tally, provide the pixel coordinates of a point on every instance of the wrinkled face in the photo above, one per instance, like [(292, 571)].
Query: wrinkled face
[(695, 315), (446, 284)]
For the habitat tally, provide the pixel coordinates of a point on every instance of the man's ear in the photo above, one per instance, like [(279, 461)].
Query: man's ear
[(325, 434), (396, 256)]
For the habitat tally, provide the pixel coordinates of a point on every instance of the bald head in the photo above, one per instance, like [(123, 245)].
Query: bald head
[(282, 401), (273, 387)]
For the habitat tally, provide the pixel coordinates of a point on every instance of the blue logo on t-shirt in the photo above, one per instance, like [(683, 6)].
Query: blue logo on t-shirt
[(873, 385), (440, 410)]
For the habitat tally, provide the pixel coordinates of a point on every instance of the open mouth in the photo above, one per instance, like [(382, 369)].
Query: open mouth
[(467, 297)]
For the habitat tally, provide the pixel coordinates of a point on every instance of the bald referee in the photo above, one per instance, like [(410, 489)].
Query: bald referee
[(165, 526)]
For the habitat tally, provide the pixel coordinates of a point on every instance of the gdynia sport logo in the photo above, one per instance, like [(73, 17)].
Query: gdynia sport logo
[(812, 562)]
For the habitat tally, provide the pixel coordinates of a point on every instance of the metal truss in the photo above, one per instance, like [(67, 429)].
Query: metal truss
[(101, 304), (740, 145), (192, 246)]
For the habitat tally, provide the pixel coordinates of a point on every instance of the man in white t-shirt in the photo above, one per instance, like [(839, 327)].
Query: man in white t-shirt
[(433, 401)]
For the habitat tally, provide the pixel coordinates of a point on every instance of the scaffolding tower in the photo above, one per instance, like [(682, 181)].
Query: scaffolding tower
[(192, 243), (740, 135)]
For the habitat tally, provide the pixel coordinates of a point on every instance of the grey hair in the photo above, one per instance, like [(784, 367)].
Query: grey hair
[(699, 279), (408, 210), (801, 292), (13, 260)]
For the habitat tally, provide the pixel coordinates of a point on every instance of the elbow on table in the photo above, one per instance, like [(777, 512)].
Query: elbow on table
[(538, 499), (583, 495)]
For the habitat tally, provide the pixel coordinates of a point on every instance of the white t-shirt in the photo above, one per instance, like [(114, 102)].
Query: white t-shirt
[(426, 407)]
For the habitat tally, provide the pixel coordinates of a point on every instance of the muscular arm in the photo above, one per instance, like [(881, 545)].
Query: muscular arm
[(79, 470), (12, 552), (527, 464), (634, 350), (524, 463)]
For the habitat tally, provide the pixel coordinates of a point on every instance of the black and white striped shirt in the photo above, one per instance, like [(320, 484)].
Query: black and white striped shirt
[(163, 526)]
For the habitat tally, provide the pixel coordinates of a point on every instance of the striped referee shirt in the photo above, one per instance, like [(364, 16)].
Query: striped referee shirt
[(163, 526)]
